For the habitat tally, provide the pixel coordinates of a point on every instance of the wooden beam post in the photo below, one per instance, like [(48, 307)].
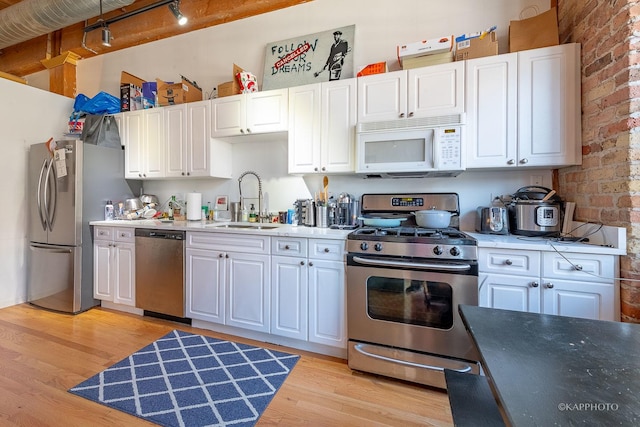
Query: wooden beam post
[(62, 73)]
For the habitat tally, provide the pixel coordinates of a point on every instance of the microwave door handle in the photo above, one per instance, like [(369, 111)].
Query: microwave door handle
[(434, 145), (39, 196)]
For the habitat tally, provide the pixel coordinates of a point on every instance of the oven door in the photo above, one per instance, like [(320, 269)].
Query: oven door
[(411, 305)]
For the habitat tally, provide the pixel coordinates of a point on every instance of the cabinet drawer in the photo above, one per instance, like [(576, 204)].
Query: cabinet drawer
[(103, 233), (327, 249), (583, 267), (121, 234), (289, 246), (247, 243), (509, 261)]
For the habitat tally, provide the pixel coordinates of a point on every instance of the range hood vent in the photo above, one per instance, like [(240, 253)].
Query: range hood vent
[(33, 18)]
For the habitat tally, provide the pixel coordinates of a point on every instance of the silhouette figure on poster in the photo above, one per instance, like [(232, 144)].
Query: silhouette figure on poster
[(335, 61)]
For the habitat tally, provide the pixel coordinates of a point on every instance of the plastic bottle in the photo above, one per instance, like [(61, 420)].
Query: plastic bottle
[(173, 198), (108, 211), (245, 215), (252, 214)]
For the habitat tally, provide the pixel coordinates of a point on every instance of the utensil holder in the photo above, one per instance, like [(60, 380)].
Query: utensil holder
[(322, 216)]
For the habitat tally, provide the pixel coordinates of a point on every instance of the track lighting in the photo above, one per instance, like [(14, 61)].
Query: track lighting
[(175, 9), (106, 36)]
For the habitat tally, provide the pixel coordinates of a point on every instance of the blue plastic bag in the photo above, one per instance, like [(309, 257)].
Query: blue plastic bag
[(102, 103)]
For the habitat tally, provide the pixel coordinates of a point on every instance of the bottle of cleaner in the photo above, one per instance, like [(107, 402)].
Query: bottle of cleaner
[(108, 211), (252, 214), (245, 214)]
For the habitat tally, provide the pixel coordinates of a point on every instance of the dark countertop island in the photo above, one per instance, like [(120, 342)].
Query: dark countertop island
[(548, 370)]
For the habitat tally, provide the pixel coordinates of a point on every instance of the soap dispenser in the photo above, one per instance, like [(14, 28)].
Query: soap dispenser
[(252, 214)]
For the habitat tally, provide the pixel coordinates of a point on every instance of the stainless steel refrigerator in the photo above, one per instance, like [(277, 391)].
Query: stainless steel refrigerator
[(68, 186)]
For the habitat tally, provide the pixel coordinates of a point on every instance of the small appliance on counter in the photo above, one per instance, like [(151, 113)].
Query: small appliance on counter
[(305, 212), (492, 220), (347, 212), (536, 212)]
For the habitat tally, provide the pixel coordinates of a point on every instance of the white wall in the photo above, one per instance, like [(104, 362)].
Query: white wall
[(27, 116), (207, 55)]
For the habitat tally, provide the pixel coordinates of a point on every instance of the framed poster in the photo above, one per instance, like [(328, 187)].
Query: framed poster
[(309, 59)]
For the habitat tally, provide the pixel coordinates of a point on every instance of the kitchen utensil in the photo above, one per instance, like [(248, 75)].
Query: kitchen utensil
[(148, 199), (433, 218), (133, 204), (535, 211), (235, 211), (492, 220), (325, 183), (322, 216), (382, 222)]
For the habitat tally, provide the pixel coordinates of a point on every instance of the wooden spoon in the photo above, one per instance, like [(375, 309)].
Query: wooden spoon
[(325, 183), (548, 196)]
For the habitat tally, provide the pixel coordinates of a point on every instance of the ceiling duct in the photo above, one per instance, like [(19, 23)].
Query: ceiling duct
[(33, 18)]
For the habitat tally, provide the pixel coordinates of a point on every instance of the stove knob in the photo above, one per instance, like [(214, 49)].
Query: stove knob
[(438, 250), (455, 251), (364, 246), (378, 247)]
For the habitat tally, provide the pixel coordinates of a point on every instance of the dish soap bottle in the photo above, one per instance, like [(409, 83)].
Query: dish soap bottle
[(108, 211), (245, 214), (252, 214)]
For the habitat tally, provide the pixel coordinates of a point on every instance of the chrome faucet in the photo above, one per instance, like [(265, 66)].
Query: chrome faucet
[(242, 205)]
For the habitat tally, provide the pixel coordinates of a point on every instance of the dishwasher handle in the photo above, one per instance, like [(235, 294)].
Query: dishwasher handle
[(160, 234)]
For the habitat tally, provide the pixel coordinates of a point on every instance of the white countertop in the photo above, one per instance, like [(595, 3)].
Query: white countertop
[(219, 227)]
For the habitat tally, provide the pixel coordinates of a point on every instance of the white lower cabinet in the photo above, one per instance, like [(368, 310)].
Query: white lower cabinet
[(114, 265), (308, 290), (228, 279), (565, 284)]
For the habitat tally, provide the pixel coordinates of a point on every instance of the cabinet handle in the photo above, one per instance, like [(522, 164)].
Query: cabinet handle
[(534, 284), (326, 250), (286, 247), (511, 162), (221, 256), (241, 130), (315, 169), (139, 175), (524, 161), (226, 255), (182, 174), (324, 169), (123, 235), (310, 264), (188, 173), (577, 267), (402, 115), (301, 262), (248, 130), (549, 285), (508, 262), (411, 114)]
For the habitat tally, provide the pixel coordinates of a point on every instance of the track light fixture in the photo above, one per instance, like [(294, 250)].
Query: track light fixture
[(175, 9)]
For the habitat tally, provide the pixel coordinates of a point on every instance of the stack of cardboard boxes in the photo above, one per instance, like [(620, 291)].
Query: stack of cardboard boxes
[(138, 94), (425, 52)]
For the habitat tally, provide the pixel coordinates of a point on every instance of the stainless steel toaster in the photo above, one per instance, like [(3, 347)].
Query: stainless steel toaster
[(492, 220)]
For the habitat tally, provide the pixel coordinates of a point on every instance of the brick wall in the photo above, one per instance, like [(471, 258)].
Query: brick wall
[(606, 188)]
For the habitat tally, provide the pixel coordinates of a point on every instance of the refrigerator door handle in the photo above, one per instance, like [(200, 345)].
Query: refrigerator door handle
[(39, 196), (50, 210)]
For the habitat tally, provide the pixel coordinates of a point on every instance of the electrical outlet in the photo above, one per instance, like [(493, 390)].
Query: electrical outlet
[(536, 180)]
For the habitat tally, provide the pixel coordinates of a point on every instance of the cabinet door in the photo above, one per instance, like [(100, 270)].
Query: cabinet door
[(382, 96), (124, 274), (102, 260), (437, 90), (267, 111), (249, 291), (338, 121), (198, 138), (519, 293), (289, 294), (578, 299), (304, 129), (327, 296), (491, 109), (154, 143), (549, 106), (134, 149), (205, 290), (176, 140), (228, 116)]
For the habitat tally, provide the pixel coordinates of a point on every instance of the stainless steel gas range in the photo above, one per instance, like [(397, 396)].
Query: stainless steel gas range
[(404, 285)]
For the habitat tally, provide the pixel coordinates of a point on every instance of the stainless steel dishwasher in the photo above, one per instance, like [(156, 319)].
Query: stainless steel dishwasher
[(160, 271)]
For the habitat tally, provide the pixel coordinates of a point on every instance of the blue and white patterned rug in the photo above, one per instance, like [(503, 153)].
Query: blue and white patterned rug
[(191, 380)]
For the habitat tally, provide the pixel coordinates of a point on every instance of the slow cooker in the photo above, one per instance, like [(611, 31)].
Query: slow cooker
[(532, 213)]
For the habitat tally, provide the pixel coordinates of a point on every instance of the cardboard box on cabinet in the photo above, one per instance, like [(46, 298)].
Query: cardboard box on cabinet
[(532, 33), (231, 87), (475, 46), (130, 92), (177, 93)]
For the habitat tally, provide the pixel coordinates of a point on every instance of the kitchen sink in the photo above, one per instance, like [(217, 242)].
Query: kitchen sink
[(244, 226)]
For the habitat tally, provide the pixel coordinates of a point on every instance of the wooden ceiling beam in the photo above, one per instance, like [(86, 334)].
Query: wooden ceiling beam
[(24, 58)]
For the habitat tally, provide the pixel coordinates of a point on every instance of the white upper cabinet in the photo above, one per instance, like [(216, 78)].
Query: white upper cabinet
[(523, 109), (144, 150), (322, 119), (437, 90), (252, 113)]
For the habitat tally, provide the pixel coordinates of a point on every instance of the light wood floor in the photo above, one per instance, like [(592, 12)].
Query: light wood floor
[(43, 354)]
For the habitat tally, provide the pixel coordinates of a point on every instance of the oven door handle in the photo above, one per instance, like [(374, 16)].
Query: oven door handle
[(414, 265), (359, 348)]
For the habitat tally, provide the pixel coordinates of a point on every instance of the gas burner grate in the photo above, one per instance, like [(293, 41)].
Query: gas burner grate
[(410, 232)]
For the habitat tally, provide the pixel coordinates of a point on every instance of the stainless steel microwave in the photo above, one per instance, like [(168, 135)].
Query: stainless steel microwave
[(431, 151)]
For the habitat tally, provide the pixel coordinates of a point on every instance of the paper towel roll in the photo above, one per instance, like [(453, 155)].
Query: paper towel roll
[(194, 206)]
